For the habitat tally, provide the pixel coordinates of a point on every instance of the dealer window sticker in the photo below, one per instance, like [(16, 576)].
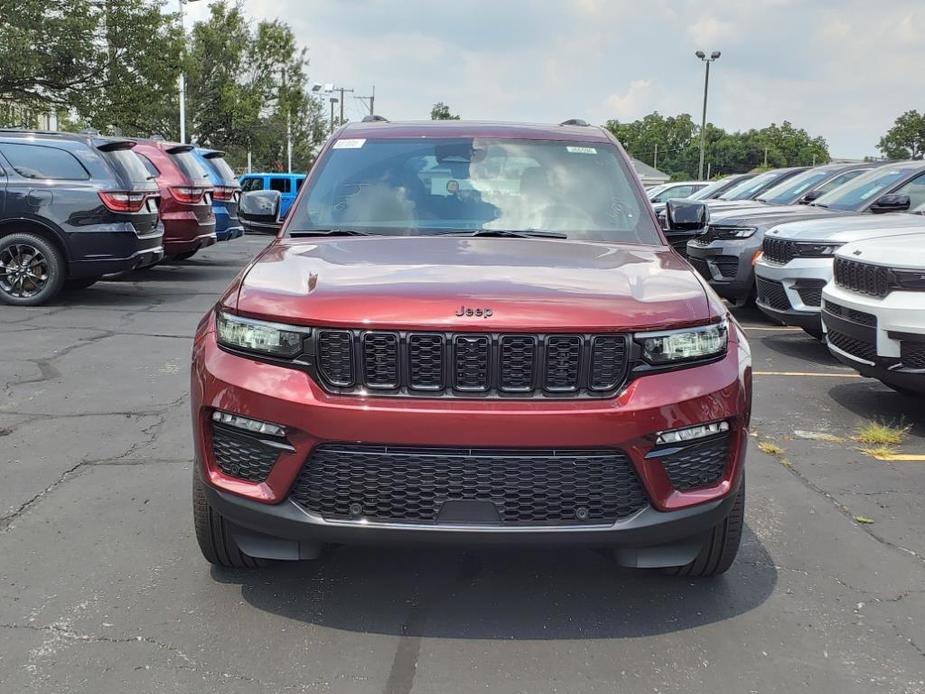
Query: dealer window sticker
[(581, 150), (354, 143)]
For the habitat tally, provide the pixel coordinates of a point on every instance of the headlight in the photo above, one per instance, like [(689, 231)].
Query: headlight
[(735, 232), (257, 336), (817, 250), (909, 280), (684, 345)]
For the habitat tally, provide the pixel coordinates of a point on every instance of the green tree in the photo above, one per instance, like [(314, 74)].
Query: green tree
[(906, 139), (441, 111), (659, 141)]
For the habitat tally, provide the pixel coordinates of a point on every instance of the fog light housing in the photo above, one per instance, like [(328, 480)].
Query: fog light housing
[(253, 426), (701, 431)]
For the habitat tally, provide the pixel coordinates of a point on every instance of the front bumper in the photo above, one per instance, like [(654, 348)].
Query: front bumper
[(887, 335), (288, 397), (795, 296), (727, 265)]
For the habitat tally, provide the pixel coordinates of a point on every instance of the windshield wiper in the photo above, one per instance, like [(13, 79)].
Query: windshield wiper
[(328, 232), (507, 233)]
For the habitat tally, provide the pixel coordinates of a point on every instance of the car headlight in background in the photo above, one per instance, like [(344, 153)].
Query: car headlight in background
[(735, 232), (687, 344), (271, 339), (817, 250)]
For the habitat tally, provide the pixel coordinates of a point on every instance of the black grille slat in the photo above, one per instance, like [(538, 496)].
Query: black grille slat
[(518, 360), (810, 296), (608, 361), (772, 294), (698, 465), (470, 364), (335, 357), (563, 363), (425, 362), (408, 485), (863, 278), (380, 360), (242, 456), (779, 250), (472, 360), (863, 349), (912, 354), (727, 265), (860, 317)]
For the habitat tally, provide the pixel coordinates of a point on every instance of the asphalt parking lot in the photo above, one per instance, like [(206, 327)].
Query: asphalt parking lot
[(102, 587)]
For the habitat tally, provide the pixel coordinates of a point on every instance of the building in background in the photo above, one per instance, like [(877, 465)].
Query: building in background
[(648, 175)]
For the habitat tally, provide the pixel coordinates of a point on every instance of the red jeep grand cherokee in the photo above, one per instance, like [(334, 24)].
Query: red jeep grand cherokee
[(475, 333)]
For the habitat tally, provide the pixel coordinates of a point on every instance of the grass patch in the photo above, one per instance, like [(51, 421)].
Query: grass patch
[(878, 451), (879, 434), (770, 448)]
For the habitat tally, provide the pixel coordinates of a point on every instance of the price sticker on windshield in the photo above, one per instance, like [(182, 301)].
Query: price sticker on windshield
[(355, 143), (581, 150)]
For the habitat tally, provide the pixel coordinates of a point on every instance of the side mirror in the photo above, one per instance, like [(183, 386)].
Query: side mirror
[(686, 215), (891, 203), (259, 212), (809, 197)]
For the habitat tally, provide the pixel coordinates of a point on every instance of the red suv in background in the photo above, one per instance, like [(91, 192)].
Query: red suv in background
[(475, 333), (186, 196)]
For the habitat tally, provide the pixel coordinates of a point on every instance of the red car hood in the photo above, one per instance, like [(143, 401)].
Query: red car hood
[(422, 282)]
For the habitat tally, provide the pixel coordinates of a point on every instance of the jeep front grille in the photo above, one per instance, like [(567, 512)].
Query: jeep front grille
[(508, 487), (470, 364), (863, 278)]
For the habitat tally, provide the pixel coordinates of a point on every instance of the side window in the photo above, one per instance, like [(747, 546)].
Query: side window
[(915, 189), (298, 183), (251, 184), (149, 165), (39, 161), (280, 184)]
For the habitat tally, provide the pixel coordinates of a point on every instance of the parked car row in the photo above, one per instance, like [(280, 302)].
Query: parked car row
[(836, 250)]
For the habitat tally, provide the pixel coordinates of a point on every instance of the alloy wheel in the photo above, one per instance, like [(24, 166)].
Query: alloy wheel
[(23, 270)]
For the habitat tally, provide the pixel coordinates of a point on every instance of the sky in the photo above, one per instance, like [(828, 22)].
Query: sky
[(842, 69)]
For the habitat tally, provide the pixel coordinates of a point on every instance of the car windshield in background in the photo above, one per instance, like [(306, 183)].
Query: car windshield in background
[(863, 190), (128, 166), (223, 170), (747, 189), (791, 189), (191, 167), (430, 186), (707, 191)]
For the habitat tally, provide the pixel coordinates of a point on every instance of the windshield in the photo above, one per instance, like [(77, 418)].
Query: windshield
[(425, 186), (225, 173), (747, 190), (128, 166), (655, 190), (707, 192), (793, 189), (191, 167), (863, 190)]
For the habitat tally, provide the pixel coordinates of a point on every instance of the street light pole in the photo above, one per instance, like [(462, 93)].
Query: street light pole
[(181, 4), (706, 88)]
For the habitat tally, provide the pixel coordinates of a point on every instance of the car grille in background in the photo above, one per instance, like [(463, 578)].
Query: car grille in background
[(242, 456), (772, 295), (863, 349), (851, 314), (873, 280), (408, 363), (728, 265), (698, 465), (912, 354), (701, 267), (810, 296), (779, 250), (525, 487)]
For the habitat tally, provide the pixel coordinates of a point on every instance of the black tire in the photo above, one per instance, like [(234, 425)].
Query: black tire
[(80, 283), (721, 546), (815, 332), (42, 263), (183, 256), (215, 540)]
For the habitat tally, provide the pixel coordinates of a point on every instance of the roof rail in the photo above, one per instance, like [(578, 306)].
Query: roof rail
[(374, 118), (575, 121)]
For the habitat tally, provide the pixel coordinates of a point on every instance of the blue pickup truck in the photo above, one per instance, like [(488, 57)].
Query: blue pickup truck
[(287, 184)]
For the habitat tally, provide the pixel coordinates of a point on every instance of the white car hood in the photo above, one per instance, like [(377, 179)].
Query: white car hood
[(845, 229), (900, 251)]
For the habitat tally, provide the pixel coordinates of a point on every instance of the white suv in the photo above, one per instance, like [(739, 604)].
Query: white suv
[(874, 310), (796, 261)]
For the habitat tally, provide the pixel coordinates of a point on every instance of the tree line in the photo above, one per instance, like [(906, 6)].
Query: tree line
[(113, 65)]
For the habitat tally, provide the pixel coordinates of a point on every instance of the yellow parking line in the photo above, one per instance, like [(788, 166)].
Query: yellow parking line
[(902, 457), (805, 373)]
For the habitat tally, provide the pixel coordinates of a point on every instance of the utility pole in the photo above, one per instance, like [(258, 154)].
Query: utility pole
[(765, 157), (181, 4), (655, 158), (342, 90), (333, 101), (288, 124), (706, 88), (370, 101)]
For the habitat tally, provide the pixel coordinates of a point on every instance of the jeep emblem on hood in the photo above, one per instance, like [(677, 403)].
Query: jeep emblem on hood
[(473, 312)]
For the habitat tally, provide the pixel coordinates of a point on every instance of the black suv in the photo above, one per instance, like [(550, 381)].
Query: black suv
[(73, 207)]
